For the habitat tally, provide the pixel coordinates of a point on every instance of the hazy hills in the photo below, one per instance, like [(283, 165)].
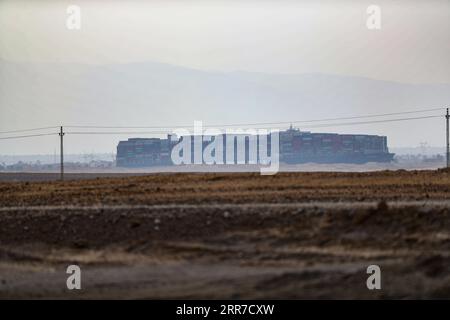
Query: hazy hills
[(149, 94)]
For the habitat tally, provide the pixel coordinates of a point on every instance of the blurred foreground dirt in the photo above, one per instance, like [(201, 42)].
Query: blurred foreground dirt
[(292, 235)]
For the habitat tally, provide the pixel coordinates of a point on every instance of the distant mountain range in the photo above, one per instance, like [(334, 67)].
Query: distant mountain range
[(154, 94)]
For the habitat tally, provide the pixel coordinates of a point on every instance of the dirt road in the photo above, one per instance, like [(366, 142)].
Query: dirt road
[(292, 235)]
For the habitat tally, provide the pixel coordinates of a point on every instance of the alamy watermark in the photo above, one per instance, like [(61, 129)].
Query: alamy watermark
[(373, 21), (374, 280), (74, 280), (73, 21), (213, 146)]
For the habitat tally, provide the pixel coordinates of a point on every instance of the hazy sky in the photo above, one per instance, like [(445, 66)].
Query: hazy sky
[(412, 46), (268, 36)]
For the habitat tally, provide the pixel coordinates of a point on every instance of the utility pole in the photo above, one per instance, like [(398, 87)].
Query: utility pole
[(447, 117), (61, 134)]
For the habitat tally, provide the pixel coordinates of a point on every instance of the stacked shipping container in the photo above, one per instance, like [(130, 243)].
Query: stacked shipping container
[(295, 147)]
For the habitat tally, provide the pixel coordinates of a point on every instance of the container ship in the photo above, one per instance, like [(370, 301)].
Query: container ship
[(295, 147)]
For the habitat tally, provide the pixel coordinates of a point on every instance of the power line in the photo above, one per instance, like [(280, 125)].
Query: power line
[(224, 125), (346, 118), (229, 125), (312, 126), (27, 130), (116, 132), (369, 122), (262, 123), (28, 136)]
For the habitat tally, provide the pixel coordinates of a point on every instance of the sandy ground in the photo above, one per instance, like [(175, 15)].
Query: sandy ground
[(242, 235)]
